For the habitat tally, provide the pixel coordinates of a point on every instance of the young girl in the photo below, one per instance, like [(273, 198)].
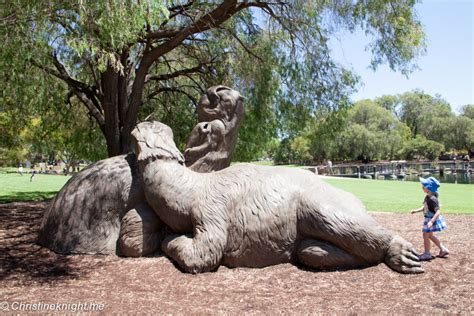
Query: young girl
[(433, 222)]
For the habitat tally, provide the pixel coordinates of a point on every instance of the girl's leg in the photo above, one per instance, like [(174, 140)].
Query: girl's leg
[(443, 251), (436, 241), (426, 241)]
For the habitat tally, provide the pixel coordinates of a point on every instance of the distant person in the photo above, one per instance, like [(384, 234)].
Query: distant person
[(433, 221), (467, 165), (33, 173), (329, 165), (20, 170)]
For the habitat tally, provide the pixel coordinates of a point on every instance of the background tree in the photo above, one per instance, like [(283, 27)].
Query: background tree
[(421, 148), (425, 115), (122, 59), (461, 134), (468, 111), (300, 148), (390, 102), (370, 132)]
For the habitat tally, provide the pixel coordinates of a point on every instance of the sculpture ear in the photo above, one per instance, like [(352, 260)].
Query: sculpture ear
[(155, 139), (162, 147)]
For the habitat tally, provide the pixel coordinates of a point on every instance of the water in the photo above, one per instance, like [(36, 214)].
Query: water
[(445, 171), (461, 178)]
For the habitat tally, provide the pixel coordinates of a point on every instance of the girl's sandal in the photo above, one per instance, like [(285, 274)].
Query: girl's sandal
[(443, 254)]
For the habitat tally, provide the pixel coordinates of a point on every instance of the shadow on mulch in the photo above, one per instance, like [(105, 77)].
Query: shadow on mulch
[(25, 261)]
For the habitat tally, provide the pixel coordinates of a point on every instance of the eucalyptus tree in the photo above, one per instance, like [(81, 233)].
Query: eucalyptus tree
[(123, 59), (468, 111), (426, 115), (372, 132)]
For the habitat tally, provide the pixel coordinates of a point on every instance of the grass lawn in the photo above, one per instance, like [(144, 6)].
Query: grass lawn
[(14, 188), (403, 196), (377, 195)]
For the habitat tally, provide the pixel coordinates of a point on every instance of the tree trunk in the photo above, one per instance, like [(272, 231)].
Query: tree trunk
[(118, 122), (110, 106)]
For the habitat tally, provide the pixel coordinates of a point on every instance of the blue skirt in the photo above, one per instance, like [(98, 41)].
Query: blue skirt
[(438, 225)]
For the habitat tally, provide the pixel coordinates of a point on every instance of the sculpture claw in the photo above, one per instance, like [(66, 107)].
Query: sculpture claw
[(402, 257)]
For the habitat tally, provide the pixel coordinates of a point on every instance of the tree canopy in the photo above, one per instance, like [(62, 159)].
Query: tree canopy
[(412, 125), (124, 60)]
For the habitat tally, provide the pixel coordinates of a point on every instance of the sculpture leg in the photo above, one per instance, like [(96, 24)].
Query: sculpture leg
[(348, 227), (141, 232), (322, 255), (202, 253)]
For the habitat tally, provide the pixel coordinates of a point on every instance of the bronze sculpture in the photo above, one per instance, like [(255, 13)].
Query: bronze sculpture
[(239, 216), (254, 216)]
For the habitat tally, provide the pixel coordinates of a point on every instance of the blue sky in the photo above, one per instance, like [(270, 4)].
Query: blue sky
[(446, 69)]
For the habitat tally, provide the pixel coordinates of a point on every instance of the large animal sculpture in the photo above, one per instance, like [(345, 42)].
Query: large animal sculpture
[(102, 209), (254, 216)]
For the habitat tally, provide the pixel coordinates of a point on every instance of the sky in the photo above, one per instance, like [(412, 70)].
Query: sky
[(446, 69)]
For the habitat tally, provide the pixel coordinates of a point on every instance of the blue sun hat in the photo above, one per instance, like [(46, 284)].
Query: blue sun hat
[(431, 183)]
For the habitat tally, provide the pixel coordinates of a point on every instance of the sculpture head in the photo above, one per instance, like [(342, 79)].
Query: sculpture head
[(155, 140), (211, 133), (220, 102)]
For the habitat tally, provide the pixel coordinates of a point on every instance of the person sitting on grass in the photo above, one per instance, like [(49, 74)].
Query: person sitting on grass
[(433, 221)]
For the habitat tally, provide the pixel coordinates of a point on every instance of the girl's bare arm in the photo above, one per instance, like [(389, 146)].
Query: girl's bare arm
[(417, 210), (434, 218)]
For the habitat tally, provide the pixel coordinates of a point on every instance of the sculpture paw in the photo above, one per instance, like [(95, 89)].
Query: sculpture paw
[(174, 244), (401, 256), (179, 248)]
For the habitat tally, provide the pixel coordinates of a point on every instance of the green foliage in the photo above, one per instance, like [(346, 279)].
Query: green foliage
[(48, 134), (389, 102), (421, 148), (322, 133), (300, 148), (402, 40), (426, 115), (99, 52), (374, 131), (461, 133), (468, 111), (284, 155), (413, 125), (370, 132), (258, 85)]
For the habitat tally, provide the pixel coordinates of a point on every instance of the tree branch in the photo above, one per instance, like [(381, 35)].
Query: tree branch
[(210, 20), (171, 89), (198, 69), (81, 90), (243, 45)]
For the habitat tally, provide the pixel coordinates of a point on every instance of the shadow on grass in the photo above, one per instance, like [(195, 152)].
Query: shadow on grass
[(27, 196), (22, 260)]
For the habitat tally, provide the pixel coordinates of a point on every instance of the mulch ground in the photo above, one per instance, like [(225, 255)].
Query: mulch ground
[(32, 274)]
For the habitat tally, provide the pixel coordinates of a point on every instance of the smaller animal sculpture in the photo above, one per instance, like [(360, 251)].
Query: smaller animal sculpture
[(212, 141), (255, 216)]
